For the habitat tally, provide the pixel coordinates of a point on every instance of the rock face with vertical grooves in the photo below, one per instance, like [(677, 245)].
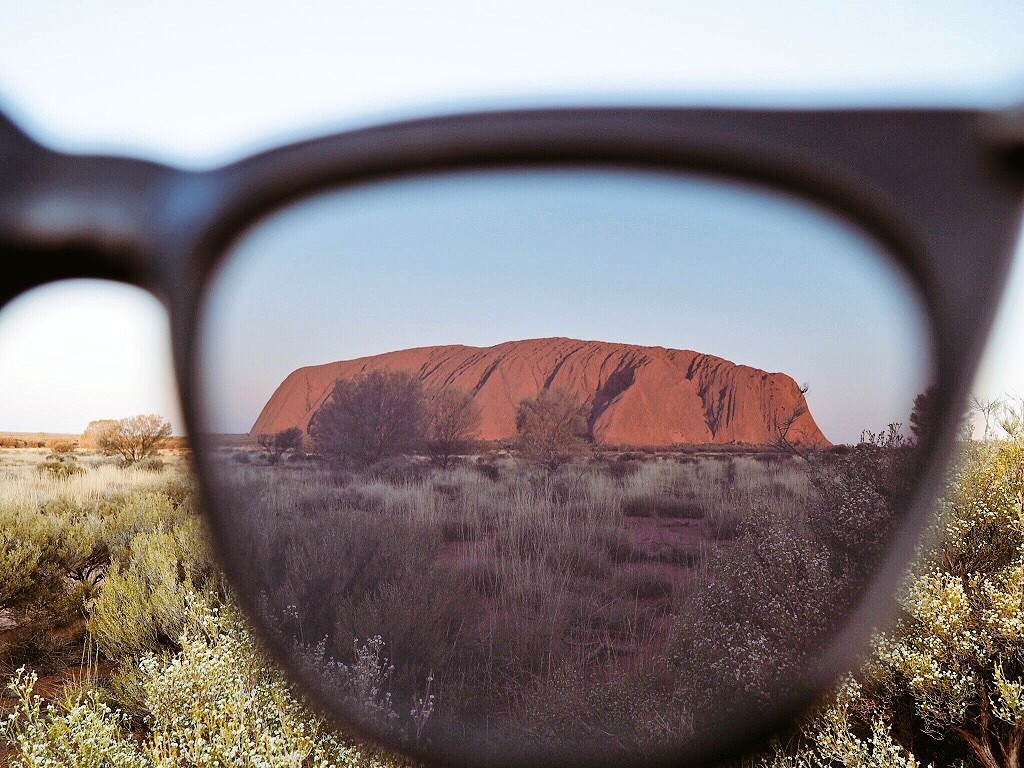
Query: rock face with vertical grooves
[(639, 396)]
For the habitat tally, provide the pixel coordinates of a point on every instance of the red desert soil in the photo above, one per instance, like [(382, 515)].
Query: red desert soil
[(645, 396)]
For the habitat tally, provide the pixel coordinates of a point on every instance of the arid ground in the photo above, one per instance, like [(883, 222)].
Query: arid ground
[(619, 601)]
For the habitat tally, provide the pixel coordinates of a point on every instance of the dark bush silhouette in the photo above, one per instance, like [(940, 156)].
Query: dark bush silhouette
[(278, 442), (371, 417), (453, 421), (551, 428), (922, 415)]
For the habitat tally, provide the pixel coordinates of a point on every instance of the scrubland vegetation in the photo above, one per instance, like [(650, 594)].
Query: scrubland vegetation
[(618, 600), (119, 642), (945, 685)]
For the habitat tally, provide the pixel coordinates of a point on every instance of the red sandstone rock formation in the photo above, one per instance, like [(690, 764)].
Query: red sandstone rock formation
[(640, 395)]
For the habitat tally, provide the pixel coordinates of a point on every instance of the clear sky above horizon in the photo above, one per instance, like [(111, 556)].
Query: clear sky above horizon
[(197, 84), (482, 258)]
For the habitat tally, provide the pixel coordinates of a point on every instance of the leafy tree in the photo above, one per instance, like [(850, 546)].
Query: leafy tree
[(371, 417), (453, 419), (134, 438), (552, 428), (922, 414), (277, 443), (95, 431), (989, 409)]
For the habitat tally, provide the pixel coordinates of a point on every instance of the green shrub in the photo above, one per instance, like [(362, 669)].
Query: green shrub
[(618, 709), (488, 469), (723, 521), (48, 569), (141, 605), (28, 567), (622, 468), (190, 686), (61, 466), (153, 464), (125, 690), (644, 584), (181, 490), (660, 505), (142, 512)]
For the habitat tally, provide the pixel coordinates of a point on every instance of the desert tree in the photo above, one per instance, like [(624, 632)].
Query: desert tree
[(134, 438), (922, 415), (276, 443), (1011, 419), (453, 420), (785, 436), (370, 417), (925, 417), (552, 427), (93, 436), (989, 409)]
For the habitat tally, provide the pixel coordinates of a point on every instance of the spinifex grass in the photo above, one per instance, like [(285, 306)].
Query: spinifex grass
[(516, 574)]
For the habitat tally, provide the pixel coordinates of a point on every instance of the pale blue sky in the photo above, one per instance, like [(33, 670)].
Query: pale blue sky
[(199, 83)]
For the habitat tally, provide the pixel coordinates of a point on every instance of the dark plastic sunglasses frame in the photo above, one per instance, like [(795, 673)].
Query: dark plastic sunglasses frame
[(941, 190)]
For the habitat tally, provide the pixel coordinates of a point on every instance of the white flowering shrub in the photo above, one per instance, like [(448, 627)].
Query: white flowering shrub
[(215, 702), (362, 686), (764, 610), (859, 492), (80, 732)]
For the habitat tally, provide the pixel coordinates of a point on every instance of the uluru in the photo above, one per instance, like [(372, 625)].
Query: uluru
[(639, 396)]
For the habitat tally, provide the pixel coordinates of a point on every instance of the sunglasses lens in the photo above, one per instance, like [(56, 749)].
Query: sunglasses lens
[(540, 464)]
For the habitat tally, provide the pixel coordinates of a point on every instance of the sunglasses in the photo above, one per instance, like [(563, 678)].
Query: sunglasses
[(561, 437)]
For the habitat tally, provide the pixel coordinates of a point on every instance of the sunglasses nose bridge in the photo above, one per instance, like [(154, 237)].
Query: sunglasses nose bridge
[(82, 216), (1004, 133)]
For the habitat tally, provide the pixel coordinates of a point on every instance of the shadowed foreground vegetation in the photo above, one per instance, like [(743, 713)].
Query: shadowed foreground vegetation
[(945, 685), (621, 601), (617, 594)]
